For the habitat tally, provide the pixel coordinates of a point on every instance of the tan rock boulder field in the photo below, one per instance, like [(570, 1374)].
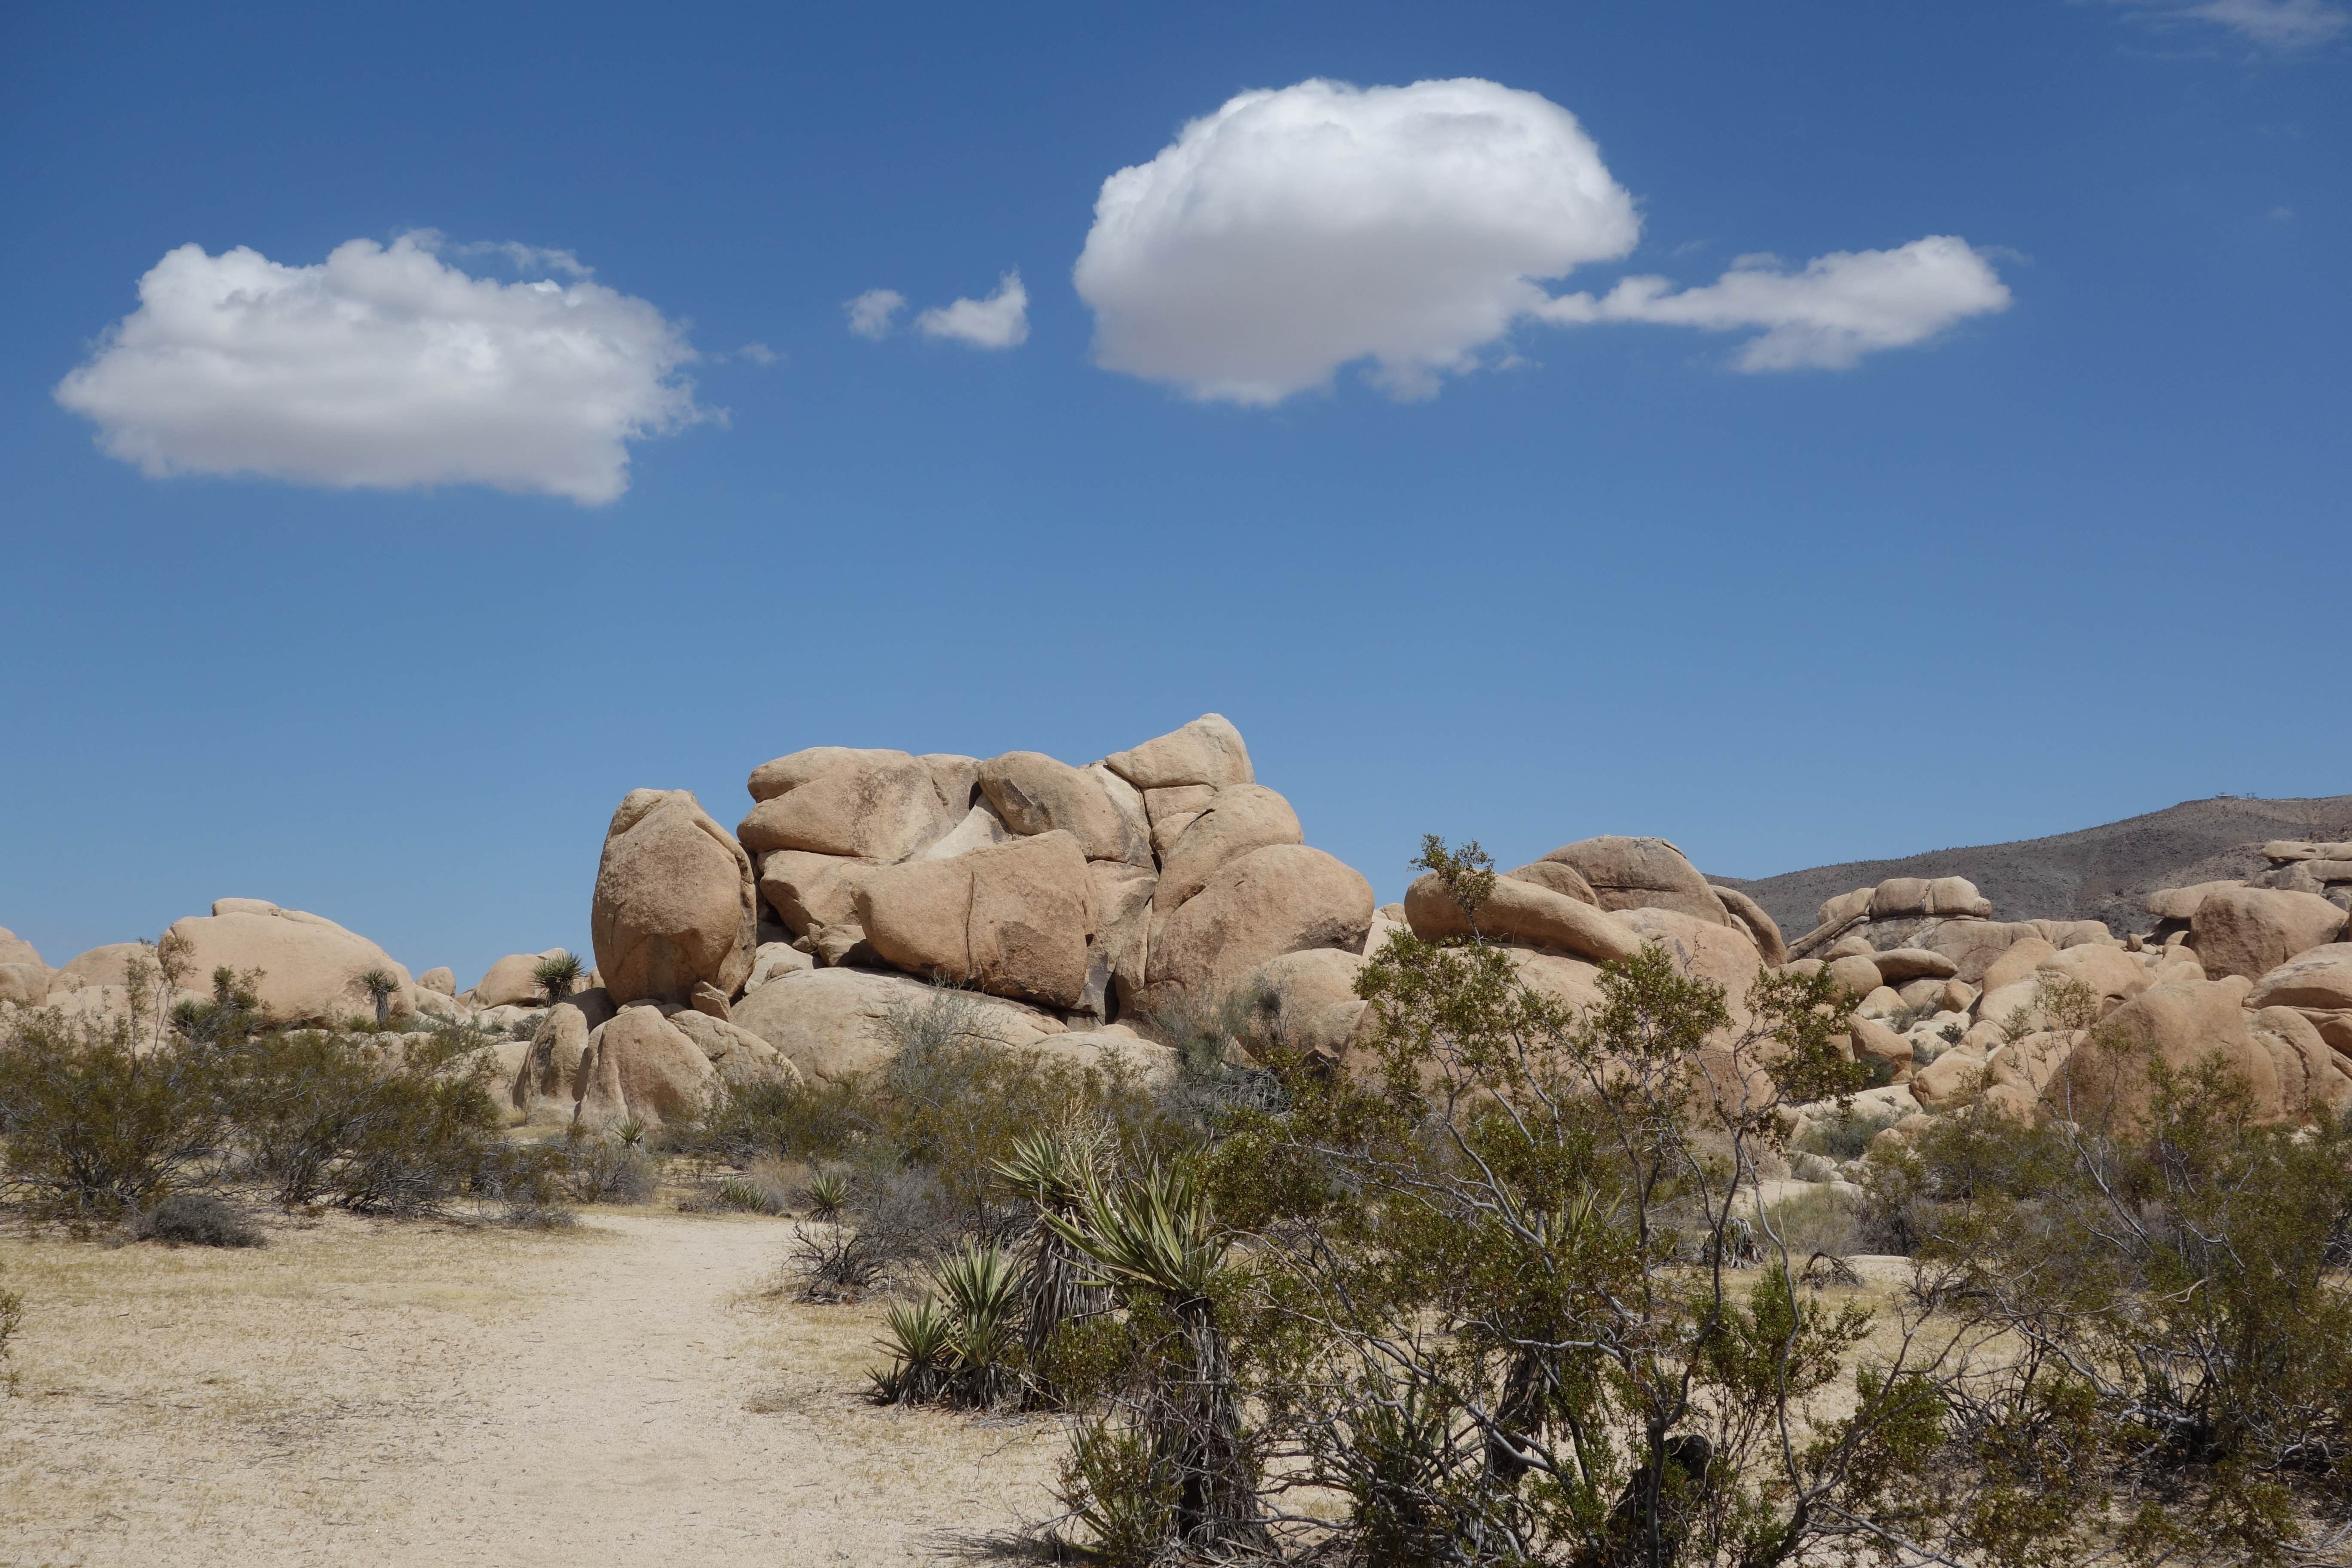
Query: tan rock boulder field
[(1640, 873), (674, 902), (829, 1023), (1016, 920)]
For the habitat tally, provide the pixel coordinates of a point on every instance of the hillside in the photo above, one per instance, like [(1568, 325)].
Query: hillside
[(2097, 873)]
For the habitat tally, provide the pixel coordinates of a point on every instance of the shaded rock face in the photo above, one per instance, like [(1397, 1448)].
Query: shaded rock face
[(2249, 932), (676, 903)]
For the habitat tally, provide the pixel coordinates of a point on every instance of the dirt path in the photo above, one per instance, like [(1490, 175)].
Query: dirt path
[(389, 1394)]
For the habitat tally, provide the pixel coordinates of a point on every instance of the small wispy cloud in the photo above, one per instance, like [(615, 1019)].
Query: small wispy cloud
[(999, 321), (873, 314), (758, 353), (521, 257), (2279, 25)]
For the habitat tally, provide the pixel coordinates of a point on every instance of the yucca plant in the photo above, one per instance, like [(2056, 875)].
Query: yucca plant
[(558, 975), (382, 985), (1051, 1170), (1153, 1241), (828, 1192), (921, 1342), (980, 1284)]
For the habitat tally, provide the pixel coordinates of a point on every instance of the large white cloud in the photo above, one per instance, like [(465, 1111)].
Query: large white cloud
[(1827, 313), (1298, 230), (385, 367), (1294, 231)]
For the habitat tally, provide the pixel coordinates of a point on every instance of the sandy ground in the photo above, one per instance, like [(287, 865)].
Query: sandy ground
[(356, 1393)]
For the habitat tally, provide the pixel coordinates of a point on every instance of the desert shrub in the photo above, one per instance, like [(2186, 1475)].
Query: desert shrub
[(197, 1219), (1843, 1134), (607, 1170), (780, 1121), (323, 1114), (12, 1323), (1817, 1221), (102, 1116), (748, 1194), (833, 1263)]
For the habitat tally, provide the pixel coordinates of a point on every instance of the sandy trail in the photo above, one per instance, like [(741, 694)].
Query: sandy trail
[(379, 1393)]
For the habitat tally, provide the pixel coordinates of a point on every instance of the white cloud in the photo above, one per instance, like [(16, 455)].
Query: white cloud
[(385, 368), (1292, 232), (999, 321), (872, 313), (1828, 313), (2274, 24), (758, 353)]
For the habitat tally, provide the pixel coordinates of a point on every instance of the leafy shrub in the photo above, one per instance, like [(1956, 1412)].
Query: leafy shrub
[(102, 1116), (197, 1219), (1816, 1221), (1844, 1135)]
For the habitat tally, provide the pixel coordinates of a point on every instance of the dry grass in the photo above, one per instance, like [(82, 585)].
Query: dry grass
[(362, 1392)]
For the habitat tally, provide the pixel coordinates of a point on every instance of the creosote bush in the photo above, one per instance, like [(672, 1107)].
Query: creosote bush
[(197, 1219)]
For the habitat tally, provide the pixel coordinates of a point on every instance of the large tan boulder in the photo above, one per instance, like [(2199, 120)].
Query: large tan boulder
[(1113, 1050), (2250, 931), (510, 981), (1761, 927), (1014, 919), (1950, 1081), (979, 828), (1308, 1003), (1208, 750), (881, 807), (1973, 945), (675, 901), (15, 949), (103, 967), (740, 1056), (2310, 1074), (2284, 849), (1875, 1040), (26, 984), (2183, 1023), (1856, 972), (1238, 820), (2180, 903), (785, 775), (1115, 976), (1640, 873), (2019, 962), (1564, 879), (310, 967), (1897, 964), (441, 980), (1573, 984), (833, 1023), (1172, 810), (1724, 953), (1285, 898), (2112, 975), (548, 1082), (1957, 897), (1033, 793), (1843, 910), (2321, 977), (643, 1067), (1898, 898), (808, 890), (1520, 912)]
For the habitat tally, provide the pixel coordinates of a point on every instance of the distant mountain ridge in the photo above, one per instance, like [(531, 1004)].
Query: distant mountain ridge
[(2098, 873)]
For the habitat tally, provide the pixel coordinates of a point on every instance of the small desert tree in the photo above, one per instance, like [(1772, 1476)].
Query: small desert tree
[(381, 985)]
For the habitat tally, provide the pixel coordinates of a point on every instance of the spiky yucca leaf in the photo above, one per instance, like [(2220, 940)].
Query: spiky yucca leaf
[(1152, 1232), (922, 1341), (982, 1287)]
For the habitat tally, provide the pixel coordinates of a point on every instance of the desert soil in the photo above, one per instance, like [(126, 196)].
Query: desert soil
[(631, 1391)]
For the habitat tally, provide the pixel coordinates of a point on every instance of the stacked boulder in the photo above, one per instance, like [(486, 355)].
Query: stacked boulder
[(1068, 901), (1953, 1001)]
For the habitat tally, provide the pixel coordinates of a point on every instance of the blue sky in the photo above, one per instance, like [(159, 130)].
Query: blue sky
[(2055, 564)]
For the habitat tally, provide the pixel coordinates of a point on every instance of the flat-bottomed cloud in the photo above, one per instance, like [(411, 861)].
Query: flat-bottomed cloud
[(1298, 230), (384, 367)]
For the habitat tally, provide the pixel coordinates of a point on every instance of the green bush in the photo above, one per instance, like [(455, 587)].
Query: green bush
[(102, 1117)]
